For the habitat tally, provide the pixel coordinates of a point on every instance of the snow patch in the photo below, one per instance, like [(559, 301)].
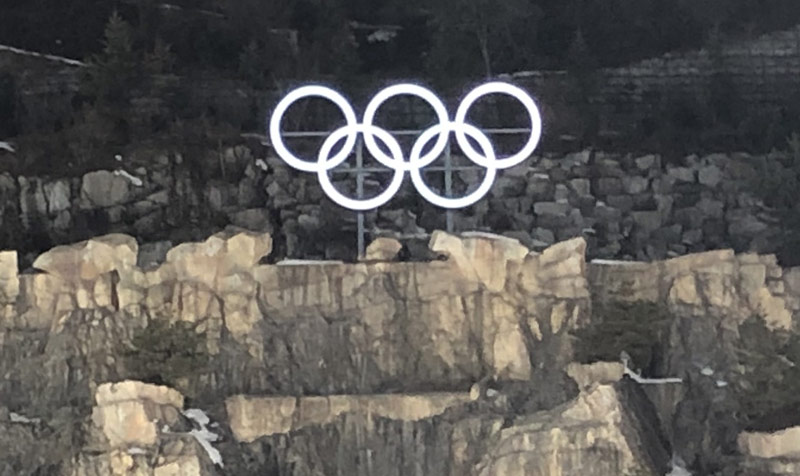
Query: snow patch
[(303, 262), (262, 165), (614, 262), (381, 36), (489, 236), (639, 379), (17, 418), (7, 146), (59, 59), (678, 467), (707, 371), (199, 416), (204, 436), (136, 451), (133, 179)]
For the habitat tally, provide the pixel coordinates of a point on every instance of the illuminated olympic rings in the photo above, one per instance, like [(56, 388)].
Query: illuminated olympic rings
[(418, 159)]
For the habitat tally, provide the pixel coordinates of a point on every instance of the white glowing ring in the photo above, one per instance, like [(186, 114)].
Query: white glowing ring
[(412, 90), (304, 92), (522, 97), (488, 180), (395, 160), (325, 164)]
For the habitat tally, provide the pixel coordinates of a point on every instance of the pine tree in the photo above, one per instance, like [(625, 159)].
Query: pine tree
[(120, 74), (111, 79), (115, 72)]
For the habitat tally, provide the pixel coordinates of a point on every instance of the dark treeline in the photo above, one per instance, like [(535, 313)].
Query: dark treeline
[(145, 56), (268, 39)]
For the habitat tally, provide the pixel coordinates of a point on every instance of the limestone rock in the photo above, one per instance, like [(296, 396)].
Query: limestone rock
[(482, 257), (220, 255), (58, 196), (111, 393), (90, 259), (255, 417), (493, 308), (383, 249), (549, 444), (604, 373), (103, 189), (32, 201), (132, 413), (560, 271), (780, 444), (9, 278)]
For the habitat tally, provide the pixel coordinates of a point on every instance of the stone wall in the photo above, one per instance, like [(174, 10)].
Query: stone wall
[(625, 206)]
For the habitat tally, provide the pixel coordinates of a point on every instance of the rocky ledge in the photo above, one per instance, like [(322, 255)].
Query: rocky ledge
[(490, 359)]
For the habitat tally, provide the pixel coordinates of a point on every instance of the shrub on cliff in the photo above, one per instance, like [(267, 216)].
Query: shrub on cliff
[(163, 353), (633, 327), (768, 389)]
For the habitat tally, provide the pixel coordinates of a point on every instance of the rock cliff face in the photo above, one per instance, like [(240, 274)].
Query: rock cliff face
[(463, 365)]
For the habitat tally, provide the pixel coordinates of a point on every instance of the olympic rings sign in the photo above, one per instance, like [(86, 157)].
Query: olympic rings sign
[(395, 160)]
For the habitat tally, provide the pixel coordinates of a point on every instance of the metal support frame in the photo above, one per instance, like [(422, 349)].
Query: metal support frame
[(360, 171)]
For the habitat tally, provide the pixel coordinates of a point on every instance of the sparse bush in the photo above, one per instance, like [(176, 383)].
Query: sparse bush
[(635, 327), (163, 353), (768, 389)]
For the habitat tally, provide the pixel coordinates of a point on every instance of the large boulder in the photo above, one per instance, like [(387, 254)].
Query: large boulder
[(103, 189), (223, 254), (90, 259), (481, 257), (138, 429), (595, 434), (58, 196), (780, 444), (9, 277), (383, 249), (132, 413), (771, 454)]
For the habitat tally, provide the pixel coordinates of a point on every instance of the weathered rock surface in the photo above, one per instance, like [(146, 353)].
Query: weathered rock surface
[(138, 429), (775, 454), (325, 368), (593, 435), (251, 418), (131, 414), (716, 282), (383, 249)]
